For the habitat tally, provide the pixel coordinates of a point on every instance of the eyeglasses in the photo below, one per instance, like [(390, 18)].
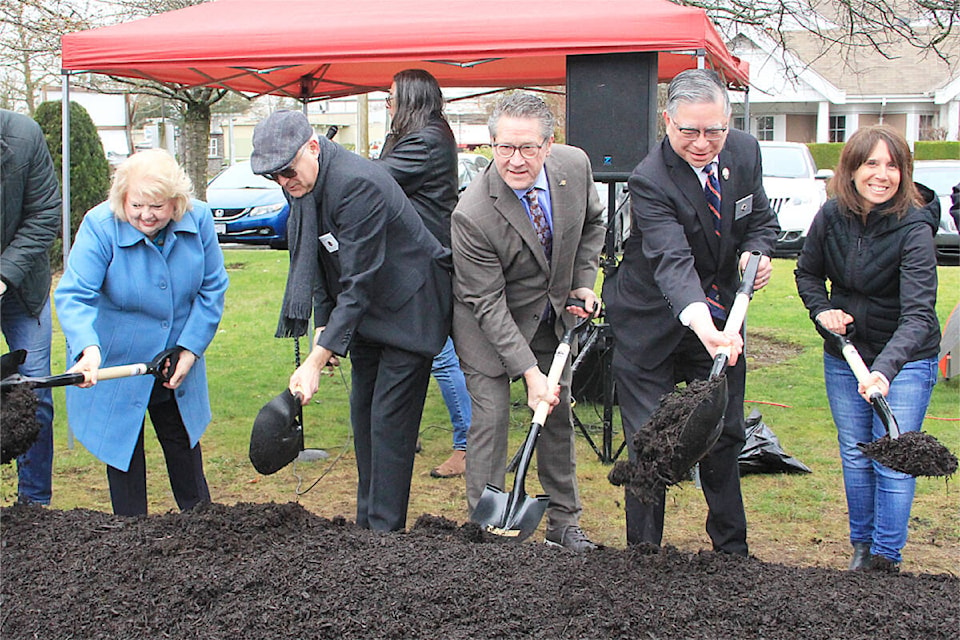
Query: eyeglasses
[(388, 99), (526, 150), (692, 133), (287, 172)]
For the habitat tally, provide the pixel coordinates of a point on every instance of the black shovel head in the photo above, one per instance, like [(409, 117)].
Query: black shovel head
[(276, 437), (494, 513), (10, 362), (702, 428)]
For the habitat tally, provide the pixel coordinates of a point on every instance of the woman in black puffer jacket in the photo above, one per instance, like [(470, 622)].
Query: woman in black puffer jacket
[(874, 243)]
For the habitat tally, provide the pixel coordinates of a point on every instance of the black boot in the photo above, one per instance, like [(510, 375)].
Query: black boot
[(882, 564), (861, 553)]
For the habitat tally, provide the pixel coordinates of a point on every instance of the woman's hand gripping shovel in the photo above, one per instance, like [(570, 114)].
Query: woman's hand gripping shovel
[(516, 515), (162, 367), (914, 453)]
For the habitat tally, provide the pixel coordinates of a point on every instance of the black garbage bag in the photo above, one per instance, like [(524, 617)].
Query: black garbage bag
[(762, 452)]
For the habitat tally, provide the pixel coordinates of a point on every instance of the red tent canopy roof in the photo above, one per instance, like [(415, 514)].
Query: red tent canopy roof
[(320, 48)]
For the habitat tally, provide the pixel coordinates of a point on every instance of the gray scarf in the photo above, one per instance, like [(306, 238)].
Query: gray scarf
[(303, 232)]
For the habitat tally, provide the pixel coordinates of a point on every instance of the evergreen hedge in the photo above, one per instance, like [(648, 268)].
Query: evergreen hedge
[(89, 169)]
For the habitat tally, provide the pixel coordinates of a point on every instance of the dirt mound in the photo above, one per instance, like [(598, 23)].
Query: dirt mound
[(268, 571)]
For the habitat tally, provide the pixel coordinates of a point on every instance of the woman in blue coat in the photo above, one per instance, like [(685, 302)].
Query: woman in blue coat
[(145, 274)]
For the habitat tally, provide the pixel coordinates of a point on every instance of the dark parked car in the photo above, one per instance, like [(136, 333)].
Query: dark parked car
[(941, 176), (247, 208)]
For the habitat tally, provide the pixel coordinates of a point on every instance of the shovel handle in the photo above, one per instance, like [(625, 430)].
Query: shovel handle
[(738, 310), (553, 379), (862, 373)]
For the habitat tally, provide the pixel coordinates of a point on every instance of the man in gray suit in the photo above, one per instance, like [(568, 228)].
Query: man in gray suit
[(527, 235), (667, 301), (378, 284)]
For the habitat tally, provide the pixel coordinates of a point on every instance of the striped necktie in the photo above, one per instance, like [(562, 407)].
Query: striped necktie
[(711, 191)]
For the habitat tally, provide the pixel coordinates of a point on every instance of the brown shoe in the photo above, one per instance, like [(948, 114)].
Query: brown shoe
[(452, 467)]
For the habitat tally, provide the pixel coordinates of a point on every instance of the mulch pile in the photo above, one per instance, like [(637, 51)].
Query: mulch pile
[(264, 571)]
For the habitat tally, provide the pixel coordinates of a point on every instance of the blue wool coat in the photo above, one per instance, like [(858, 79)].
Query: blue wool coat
[(134, 299)]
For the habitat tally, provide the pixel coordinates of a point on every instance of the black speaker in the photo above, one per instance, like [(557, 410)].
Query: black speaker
[(612, 110)]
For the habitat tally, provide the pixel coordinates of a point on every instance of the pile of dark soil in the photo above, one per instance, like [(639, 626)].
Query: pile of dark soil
[(276, 571), (915, 452), (18, 421)]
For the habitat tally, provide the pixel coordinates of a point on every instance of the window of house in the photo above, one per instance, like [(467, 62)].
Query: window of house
[(214, 150), (739, 122), (765, 128), (928, 128), (838, 128)]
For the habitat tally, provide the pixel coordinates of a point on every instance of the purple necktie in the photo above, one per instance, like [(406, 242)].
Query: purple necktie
[(540, 224)]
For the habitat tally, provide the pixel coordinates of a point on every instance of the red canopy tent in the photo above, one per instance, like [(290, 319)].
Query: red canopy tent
[(309, 49)]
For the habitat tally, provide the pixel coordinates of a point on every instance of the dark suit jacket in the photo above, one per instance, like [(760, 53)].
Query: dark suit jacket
[(389, 280), (673, 254), (424, 163), (502, 280)]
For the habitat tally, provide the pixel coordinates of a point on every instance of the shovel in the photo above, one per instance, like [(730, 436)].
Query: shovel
[(164, 361), (704, 424), (862, 372), (277, 436), (914, 453), (516, 515)]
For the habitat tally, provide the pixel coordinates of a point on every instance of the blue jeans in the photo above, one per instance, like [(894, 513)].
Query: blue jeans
[(446, 371), (21, 331), (878, 498)]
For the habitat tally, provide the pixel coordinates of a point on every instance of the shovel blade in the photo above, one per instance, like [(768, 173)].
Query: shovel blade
[(700, 431), (277, 434), (495, 514)]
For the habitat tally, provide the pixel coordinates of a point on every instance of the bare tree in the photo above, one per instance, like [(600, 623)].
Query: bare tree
[(844, 25)]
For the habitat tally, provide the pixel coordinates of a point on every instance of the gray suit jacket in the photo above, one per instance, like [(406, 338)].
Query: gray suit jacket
[(673, 254), (502, 281)]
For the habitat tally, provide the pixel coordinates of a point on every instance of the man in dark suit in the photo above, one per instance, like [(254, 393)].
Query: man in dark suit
[(379, 284), (667, 301), (527, 235)]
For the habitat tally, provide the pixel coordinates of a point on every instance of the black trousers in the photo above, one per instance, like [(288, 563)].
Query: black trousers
[(639, 391), (386, 405), (128, 489)]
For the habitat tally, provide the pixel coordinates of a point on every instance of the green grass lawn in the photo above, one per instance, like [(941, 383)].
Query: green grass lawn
[(793, 518)]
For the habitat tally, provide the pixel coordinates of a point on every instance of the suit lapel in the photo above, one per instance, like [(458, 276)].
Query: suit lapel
[(687, 181), (510, 207)]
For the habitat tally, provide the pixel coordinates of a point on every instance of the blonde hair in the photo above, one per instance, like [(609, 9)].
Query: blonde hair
[(155, 174)]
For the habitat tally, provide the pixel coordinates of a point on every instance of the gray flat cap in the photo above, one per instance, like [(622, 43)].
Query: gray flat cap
[(277, 139)]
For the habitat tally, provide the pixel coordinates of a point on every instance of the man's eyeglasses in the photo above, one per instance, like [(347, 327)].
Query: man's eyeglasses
[(287, 172), (526, 150), (692, 133)]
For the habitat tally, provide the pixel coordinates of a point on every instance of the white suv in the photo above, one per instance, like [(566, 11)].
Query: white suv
[(796, 191)]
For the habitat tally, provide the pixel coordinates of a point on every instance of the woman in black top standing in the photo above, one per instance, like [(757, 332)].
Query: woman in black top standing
[(874, 243)]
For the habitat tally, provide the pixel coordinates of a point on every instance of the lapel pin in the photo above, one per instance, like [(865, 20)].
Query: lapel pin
[(725, 172), (563, 183)]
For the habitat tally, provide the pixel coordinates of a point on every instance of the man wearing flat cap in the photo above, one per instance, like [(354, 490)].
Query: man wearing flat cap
[(379, 286)]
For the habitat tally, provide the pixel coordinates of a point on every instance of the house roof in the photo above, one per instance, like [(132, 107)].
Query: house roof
[(866, 72)]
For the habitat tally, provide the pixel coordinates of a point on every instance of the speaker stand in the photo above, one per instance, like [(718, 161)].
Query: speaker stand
[(601, 339)]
